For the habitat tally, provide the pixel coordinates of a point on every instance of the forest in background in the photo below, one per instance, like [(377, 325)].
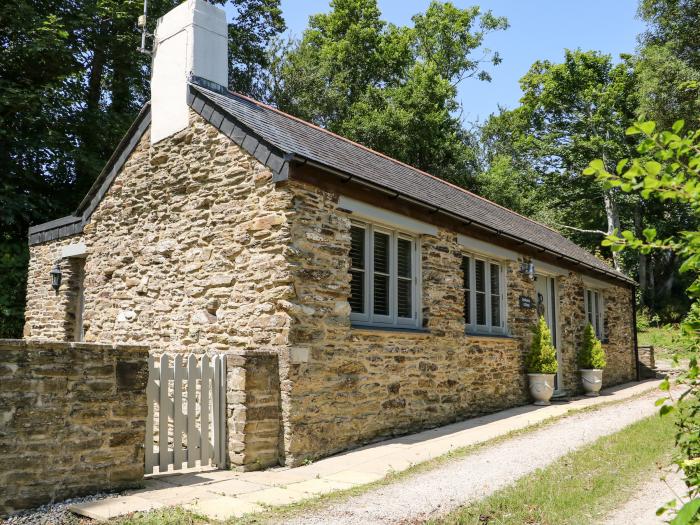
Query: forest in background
[(72, 80)]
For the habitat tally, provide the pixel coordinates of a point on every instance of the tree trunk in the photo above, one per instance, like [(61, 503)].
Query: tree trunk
[(613, 216), (639, 228)]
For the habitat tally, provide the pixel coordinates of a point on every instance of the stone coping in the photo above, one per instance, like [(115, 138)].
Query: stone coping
[(11, 344)]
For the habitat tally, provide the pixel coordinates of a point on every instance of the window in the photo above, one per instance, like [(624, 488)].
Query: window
[(383, 277), (483, 296), (595, 312)]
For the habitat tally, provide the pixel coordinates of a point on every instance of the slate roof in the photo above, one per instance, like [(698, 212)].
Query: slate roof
[(276, 138), (294, 138)]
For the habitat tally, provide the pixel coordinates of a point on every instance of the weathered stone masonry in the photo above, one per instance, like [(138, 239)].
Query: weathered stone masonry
[(362, 384), (72, 420), (194, 248)]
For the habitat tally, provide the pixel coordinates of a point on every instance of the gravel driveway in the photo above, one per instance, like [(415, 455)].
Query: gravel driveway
[(443, 489), (641, 508)]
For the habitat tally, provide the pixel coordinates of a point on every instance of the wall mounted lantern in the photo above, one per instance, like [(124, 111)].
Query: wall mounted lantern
[(527, 267), (56, 276)]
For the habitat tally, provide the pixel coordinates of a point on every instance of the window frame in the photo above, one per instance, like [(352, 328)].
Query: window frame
[(596, 315), (472, 327), (368, 317)]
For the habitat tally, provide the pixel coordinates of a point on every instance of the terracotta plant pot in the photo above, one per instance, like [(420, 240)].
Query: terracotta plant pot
[(541, 388), (592, 381)]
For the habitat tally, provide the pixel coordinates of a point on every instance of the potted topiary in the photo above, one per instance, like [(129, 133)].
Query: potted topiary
[(541, 364), (591, 361)]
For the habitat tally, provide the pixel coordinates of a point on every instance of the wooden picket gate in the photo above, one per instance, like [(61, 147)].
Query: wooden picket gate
[(192, 435)]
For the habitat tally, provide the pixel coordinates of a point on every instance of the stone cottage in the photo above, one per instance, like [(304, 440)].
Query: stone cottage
[(394, 301)]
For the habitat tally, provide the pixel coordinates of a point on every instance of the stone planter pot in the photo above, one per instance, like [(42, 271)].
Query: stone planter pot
[(541, 388), (592, 380)]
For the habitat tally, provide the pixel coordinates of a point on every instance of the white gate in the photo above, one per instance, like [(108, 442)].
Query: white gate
[(186, 412)]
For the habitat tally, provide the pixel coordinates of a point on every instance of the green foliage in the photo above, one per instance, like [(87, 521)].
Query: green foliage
[(591, 355), (542, 358), (71, 82), (570, 111), (377, 83), (668, 169)]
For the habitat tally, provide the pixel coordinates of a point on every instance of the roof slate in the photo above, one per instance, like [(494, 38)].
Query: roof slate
[(293, 136)]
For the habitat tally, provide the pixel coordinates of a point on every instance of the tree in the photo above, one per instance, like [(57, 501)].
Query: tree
[(667, 168), (569, 112), (71, 82), (378, 84)]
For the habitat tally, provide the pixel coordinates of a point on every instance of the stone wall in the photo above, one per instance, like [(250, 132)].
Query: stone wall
[(358, 385), (619, 349), (72, 420), (253, 410), (185, 253)]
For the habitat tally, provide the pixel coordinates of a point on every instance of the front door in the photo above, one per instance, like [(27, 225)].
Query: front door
[(547, 299)]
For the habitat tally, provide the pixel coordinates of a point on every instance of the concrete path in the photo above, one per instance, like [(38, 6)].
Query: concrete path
[(225, 494)]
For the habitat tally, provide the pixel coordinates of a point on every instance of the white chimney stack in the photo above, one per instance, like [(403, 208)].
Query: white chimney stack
[(192, 39)]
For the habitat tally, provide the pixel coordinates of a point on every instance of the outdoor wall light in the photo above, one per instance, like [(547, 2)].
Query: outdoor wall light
[(56, 276), (527, 267)]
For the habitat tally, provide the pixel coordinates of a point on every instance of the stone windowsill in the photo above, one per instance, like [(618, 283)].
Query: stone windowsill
[(490, 337), (388, 330)]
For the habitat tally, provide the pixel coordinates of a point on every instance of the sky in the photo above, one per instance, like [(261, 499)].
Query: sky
[(539, 29)]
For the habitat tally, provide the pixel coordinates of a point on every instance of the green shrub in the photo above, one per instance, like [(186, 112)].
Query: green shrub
[(591, 354), (542, 358)]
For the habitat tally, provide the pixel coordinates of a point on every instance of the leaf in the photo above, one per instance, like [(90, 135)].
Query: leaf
[(660, 401), (678, 126), (621, 165), (666, 409), (647, 127), (687, 513), (650, 234), (664, 386), (652, 167)]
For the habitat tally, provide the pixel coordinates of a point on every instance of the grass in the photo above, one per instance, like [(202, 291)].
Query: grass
[(582, 486), (667, 340), (167, 516), (174, 515)]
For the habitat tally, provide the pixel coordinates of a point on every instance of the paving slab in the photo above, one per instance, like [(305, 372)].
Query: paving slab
[(274, 496), (355, 476), (320, 486), (223, 507), (233, 487), (277, 477), (173, 494), (103, 510)]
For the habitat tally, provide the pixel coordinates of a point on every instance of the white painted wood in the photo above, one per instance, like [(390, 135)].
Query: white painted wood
[(363, 210), (204, 411), (590, 282), (201, 385), (192, 434), (163, 413), (216, 409), (222, 412), (151, 392), (178, 418), (478, 247)]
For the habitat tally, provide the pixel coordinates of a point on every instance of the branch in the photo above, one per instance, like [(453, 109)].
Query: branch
[(597, 232)]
